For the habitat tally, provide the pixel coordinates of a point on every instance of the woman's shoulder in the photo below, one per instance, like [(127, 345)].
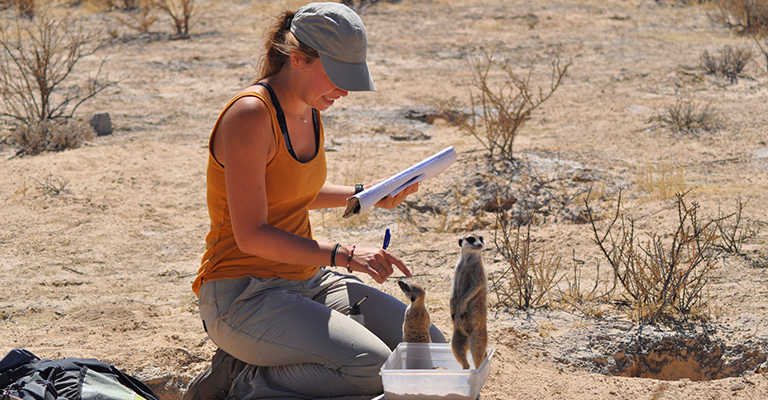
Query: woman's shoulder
[(244, 121), (249, 103), (253, 96)]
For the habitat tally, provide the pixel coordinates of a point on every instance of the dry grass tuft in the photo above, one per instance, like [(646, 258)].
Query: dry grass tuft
[(579, 295), (50, 135), (689, 117), (662, 179), (52, 186), (728, 64)]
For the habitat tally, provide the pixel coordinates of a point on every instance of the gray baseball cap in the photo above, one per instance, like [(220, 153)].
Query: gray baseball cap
[(338, 35)]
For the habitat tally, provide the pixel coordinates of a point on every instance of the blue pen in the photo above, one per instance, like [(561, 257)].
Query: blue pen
[(387, 236)]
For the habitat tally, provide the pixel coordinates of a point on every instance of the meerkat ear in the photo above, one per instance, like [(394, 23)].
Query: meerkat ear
[(460, 240)]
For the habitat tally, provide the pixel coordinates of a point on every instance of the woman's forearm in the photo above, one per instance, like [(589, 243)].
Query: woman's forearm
[(332, 196), (278, 245)]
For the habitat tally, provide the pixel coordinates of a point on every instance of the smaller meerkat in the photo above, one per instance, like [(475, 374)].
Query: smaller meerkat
[(468, 302), (416, 324)]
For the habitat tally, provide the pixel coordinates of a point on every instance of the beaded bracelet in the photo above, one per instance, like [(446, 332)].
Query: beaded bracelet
[(333, 254), (351, 253)]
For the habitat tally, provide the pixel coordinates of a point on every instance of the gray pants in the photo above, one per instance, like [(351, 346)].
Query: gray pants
[(297, 336)]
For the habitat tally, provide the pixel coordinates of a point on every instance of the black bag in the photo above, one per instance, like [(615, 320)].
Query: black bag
[(24, 375)]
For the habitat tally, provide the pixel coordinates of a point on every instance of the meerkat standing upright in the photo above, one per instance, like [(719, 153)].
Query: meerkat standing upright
[(468, 302), (416, 324)]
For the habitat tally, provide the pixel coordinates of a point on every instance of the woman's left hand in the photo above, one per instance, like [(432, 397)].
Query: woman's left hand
[(377, 262), (393, 201)]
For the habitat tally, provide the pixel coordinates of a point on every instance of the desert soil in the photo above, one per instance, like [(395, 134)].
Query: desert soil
[(104, 268)]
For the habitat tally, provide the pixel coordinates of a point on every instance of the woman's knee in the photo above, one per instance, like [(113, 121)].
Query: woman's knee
[(436, 335), (363, 372)]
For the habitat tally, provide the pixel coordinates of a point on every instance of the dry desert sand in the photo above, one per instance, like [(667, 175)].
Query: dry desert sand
[(104, 268)]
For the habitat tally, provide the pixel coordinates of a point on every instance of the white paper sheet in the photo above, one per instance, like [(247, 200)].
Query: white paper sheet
[(391, 186)]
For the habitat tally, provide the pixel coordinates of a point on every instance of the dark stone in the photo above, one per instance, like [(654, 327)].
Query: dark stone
[(102, 124)]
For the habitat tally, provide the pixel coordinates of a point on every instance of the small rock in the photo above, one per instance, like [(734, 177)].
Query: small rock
[(101, 124)]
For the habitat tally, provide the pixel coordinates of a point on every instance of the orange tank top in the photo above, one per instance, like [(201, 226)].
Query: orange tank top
[(291, 187)]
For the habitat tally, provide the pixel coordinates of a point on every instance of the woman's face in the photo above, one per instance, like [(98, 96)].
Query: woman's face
[(320, 91)]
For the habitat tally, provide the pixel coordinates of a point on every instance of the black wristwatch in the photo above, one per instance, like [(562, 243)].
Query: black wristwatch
[(358, 189)]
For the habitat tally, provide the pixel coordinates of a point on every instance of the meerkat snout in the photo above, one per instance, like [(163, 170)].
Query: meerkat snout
[(416, 322)]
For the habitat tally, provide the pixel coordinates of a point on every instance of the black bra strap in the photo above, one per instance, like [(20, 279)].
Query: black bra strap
[(284, 127)]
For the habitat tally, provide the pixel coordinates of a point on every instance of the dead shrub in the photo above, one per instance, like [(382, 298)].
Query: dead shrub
[(141, 17), (728, 64), (125, 5), (746, 17), (664, 277), (36, 64), (26, 8), (181, 13), (689, 117), (734, 229), (50, 135), (527, 281), (52, 186), (500, 110)]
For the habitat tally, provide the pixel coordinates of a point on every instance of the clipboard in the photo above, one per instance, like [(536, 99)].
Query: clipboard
[(424, 169)]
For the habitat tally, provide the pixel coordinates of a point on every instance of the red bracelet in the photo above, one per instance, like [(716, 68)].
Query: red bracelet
[(351, 253)]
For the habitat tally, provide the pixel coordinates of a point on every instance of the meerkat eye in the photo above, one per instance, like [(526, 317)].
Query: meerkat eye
[(471, 240), (481, 239)]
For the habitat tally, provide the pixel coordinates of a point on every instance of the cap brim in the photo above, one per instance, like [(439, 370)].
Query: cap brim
[(347, 76)]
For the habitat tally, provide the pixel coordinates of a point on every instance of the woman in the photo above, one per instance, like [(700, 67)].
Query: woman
[(263, 298)]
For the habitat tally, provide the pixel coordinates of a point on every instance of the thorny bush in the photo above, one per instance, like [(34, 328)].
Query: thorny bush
[(500, 109), (663, 278)]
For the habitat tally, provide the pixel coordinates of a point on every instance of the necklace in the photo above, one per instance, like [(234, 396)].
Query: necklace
[(303, 120)]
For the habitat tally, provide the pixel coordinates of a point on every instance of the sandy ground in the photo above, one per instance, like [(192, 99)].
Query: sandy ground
[(104, 269)]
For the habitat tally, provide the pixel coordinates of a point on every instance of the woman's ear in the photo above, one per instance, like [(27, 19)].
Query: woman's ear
[(297, 59)]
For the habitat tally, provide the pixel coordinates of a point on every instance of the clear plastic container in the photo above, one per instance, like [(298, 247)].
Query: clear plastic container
[(429, 371)]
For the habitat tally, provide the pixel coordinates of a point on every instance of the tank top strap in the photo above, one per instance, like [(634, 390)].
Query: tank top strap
[(284, 127)]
